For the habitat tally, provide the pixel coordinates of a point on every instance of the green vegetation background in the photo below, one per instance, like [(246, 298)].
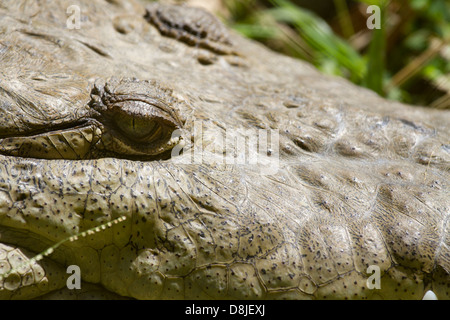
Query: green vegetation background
[(406, 59)]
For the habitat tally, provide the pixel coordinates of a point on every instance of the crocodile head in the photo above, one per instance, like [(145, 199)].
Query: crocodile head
[(162, 156)]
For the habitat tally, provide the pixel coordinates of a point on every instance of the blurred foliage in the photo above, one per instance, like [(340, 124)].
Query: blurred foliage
[(406, 59)]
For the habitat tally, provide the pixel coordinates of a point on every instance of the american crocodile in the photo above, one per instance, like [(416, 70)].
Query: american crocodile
[(115, 118)]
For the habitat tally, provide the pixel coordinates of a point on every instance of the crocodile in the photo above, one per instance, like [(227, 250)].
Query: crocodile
[(156, 154)]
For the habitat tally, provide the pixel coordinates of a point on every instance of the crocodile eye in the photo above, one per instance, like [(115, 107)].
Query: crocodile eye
[(138, 118), (136, 127), (143, 122)]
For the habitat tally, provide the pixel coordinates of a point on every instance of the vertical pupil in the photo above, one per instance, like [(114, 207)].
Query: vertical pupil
[(134, 126)]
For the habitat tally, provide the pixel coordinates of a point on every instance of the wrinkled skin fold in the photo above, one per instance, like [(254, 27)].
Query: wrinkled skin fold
[(92, 121)]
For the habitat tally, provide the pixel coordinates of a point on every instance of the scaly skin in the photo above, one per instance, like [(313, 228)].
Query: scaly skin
[(359, 181)]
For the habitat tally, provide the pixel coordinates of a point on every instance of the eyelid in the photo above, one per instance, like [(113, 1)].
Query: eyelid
[(144, 112), (151, 101), (145, 107)]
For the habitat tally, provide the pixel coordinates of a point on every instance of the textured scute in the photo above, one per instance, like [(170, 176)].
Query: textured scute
[(193, 26), (27, 281), (354, 183)]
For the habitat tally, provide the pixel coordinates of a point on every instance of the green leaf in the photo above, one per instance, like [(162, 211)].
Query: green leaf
[(256, 31), (319, 36), (376, 58)]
